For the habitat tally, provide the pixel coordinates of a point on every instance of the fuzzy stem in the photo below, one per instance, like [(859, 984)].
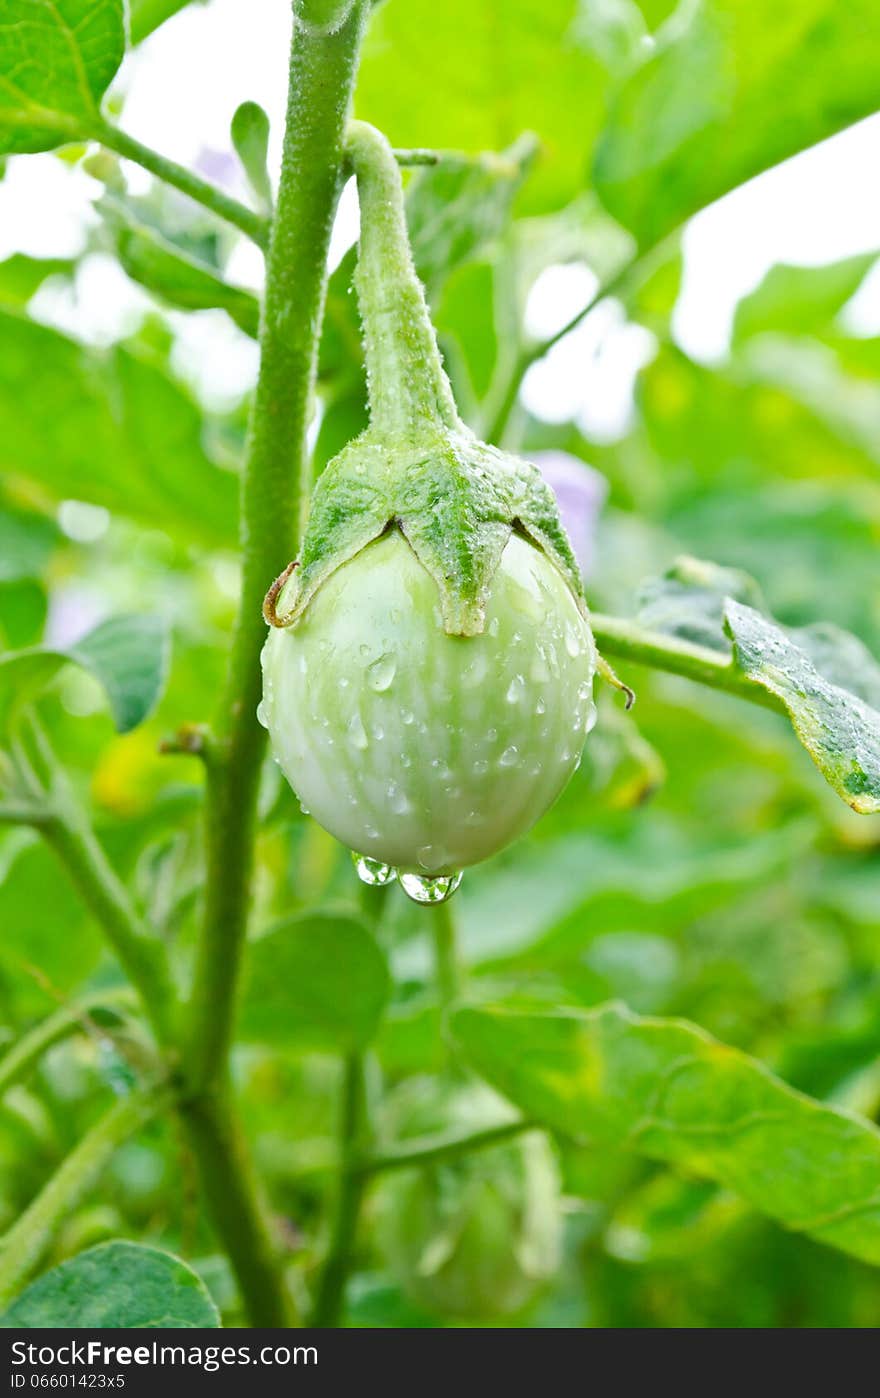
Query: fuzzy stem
[(407, 384), (322, 69), (447, 968), (27, 1240), (252, 224), (620, 637)]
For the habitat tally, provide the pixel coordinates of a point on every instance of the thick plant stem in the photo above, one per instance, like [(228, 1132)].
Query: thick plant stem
[(406, 382), (223, 205), (322, 71), (330, 1296), (234, 1199), (629, 641), (28, 1239)]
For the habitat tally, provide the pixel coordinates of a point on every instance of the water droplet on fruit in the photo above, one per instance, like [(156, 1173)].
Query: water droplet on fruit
[(398, 800), (509, 757), (425, 890), (261, 714), (516, 689), (480, 768), (540, 707), (590, 720), (492, 628), (373, 871), (572, 641), (357, 732), (407, 717), (381, 673)]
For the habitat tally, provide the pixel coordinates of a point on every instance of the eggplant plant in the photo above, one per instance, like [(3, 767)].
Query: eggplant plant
[(262, 1062)]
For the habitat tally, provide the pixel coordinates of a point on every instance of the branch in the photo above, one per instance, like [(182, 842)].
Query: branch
[(27, 1240), (629, 641), (252, 224), (443, 1151), (29, 1049)]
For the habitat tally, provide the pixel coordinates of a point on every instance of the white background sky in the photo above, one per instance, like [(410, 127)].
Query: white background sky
[(181, 88)]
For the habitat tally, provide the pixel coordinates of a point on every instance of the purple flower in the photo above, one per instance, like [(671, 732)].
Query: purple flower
[(580, 494)]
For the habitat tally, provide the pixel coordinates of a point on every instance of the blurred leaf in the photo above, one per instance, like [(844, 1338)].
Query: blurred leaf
[(23, 609), (318, 981), (688, 600), (109, 428), (457, 207), (57, 58), (21, 276), (468, 76), (26, 541), (665, 1089), (147, 15), (694, 119), (250, 136), (116, 1286), (800, 300), (840, 731), (128, 655), (173, 275)]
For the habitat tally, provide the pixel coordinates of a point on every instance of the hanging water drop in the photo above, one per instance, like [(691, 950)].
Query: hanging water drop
[(373, 871), (425, 889)]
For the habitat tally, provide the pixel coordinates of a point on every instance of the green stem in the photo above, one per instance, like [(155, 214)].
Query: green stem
[(142, 956), (29, 1049), (322, 69), (629, 641), (407, 384), (330, 1297), (446, 962), (530, 354), (237, 1209), (27, 1241), (449, 1149), (208, 195)]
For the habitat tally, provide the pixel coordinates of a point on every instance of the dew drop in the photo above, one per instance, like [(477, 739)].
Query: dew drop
[(590, 719), (509, 757), (407, 717), (480, 768), (540, 707), (398, 800), (516, 689), (425, 890), (492, 628), (381, 673), (261, 714), (357, 732), (572, 641), (373, 871)]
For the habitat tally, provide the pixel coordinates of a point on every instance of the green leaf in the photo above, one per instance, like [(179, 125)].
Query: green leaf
[(318, 981), (21, 276), (800, 300), (147, 15), (116, 1286), (667, 1090), (110, 428), (694, 118), (250, 136), (57, 59), (173, 275), (839, 730), (128, 655), (466, 76)]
